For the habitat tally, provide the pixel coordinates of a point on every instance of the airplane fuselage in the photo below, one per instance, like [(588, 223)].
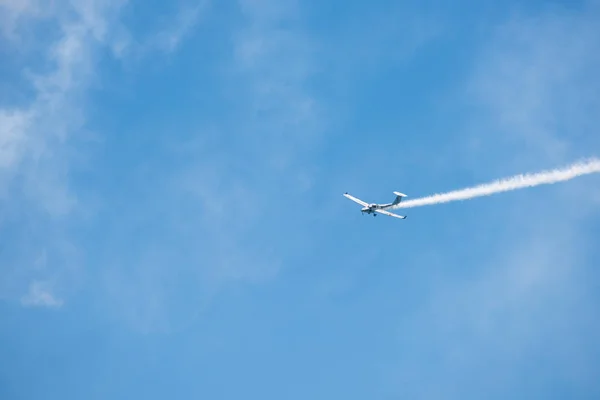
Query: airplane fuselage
[(370, 209)]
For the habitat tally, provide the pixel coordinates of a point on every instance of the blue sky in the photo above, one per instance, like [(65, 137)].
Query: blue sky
[(172, 221)]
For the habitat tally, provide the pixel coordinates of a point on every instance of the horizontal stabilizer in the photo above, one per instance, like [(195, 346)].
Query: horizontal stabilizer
[(400, 194)]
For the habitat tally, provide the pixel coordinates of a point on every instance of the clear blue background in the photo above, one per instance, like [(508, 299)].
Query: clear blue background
[(172, 222)]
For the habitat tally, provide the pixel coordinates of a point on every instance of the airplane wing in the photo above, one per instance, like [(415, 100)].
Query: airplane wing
[(354, 199), (390, 214)]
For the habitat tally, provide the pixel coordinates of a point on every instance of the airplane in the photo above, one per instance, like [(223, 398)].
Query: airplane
[(378, 208)]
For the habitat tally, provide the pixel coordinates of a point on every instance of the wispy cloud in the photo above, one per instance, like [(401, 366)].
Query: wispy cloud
[(221, 193), (33, 135), (38, 139), (534, 78), (169, 38), (536, 81), (166, 36), (40, 295), (15, 11), (35, 139), (12, 125), (278, 120), (274, 61), (522, 298)]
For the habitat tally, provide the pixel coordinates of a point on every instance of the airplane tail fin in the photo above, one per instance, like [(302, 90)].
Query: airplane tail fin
[(398, 198)]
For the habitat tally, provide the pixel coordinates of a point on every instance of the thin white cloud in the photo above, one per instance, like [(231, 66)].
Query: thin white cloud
[(36, 139), (169, 39), (13, 12), (165, 38), (536, 73), (35, 191), (31, 135), (525, 299), (274, 60), (274, 118), (12, 125), (537, 81), (40, 295)]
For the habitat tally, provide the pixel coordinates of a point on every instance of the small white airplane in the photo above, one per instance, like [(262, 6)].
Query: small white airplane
[(378, 208)]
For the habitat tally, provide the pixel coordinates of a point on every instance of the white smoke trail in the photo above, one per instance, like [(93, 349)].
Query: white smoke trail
[(513, 183)]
